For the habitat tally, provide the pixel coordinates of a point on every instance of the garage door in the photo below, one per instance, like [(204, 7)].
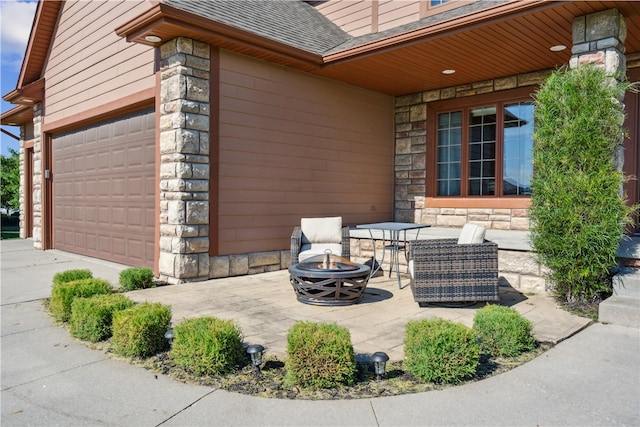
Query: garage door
[(104, 191)]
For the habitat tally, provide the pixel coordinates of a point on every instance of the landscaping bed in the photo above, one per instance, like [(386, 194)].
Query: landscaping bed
[(320, 361), (271, 383)]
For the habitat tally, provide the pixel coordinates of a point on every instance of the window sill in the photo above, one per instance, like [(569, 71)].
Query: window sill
[(477, 202)]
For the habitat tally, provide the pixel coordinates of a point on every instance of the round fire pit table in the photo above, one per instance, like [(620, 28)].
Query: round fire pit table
[(329, 280)]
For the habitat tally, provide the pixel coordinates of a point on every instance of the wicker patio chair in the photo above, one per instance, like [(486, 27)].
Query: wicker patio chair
[(443, 270), (315, 235)]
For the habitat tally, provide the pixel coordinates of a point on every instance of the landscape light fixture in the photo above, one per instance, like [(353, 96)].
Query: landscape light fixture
[(379, 360), (255, 351), (169, 336)]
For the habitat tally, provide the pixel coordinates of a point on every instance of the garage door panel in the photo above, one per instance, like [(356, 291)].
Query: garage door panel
[(104, 190), (91, 243)]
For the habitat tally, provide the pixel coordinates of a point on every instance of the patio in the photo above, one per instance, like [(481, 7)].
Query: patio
[(265, 307)]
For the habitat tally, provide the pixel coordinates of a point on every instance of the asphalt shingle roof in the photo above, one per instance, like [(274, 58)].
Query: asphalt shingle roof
[(298, 24), (292, 22)]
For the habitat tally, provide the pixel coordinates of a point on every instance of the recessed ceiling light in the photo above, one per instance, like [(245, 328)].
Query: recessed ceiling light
[(557, 48), (448, 71), (153, 39)]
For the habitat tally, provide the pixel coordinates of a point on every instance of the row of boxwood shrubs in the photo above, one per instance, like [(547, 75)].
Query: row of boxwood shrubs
[(95, 312), (319, 355)]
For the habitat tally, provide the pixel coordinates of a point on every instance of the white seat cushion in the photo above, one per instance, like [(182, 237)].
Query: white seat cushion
[(311, 249), (471, 233), (321, 230)]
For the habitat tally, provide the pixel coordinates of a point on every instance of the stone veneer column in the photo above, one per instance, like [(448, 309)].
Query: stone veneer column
[(37, 176), (410, 155), (184, 161), (598, 39), (22, 206)]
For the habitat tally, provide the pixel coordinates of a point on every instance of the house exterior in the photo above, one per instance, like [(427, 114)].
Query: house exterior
[(191, 137)]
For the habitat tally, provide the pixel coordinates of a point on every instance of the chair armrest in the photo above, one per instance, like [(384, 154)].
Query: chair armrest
[(346, 243), (446, 257), (428, 248), (296, 242), (421, 247)]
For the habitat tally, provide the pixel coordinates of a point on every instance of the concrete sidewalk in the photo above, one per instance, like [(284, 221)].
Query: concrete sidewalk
[(48, 378)]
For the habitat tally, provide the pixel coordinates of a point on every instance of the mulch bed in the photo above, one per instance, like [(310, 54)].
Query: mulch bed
[(270, 383)]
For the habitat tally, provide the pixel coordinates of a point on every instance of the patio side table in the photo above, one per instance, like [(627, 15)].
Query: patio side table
[(396, 244)]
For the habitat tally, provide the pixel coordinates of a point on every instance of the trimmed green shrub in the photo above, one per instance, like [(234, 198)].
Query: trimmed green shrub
[(91, 318), (208, 346), (577, 212), (136, 278), (502, 331), (63, 294), (139, 330), (320, 355), (71, 275), (440, 351)]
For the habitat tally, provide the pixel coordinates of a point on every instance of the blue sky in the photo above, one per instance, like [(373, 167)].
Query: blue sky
[(16, 18)]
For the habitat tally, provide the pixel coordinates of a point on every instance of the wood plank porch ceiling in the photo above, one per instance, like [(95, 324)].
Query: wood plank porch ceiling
[(510, 43), (516, 45)]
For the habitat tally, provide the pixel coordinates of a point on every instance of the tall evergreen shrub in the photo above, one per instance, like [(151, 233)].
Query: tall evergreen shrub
[(578, 213)]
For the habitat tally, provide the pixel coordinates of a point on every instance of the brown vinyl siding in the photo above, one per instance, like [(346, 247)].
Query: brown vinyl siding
[(353, 16), (364, 17), (294, 145), (89, 64), (395, 13)]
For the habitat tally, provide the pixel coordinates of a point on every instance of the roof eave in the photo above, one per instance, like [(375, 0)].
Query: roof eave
[(20, 115), (27, 94), (168, 22), (451, 26)]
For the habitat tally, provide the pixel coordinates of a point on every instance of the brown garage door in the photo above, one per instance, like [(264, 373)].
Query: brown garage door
[(104, 192)]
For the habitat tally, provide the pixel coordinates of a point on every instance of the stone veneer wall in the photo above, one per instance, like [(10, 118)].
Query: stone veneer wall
[(37, 179), (252, 263), (518, 269), (184, 161), (411, 158), (22, 202), (499, 219)]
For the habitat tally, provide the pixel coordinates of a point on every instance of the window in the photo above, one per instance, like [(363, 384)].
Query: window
[(433, 3), (518, 149), (483, 150)]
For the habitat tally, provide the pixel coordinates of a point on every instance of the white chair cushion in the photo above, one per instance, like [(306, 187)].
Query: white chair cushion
[(411, 269), (471, 233), (311, 249), (321, 230)]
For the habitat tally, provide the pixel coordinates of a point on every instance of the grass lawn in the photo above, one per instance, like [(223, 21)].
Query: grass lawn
[(10, 232)]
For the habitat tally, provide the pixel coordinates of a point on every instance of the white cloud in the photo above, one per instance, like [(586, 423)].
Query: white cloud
[(16, 18)]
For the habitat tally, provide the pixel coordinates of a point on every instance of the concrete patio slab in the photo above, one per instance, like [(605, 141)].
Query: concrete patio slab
[(265, 307)]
